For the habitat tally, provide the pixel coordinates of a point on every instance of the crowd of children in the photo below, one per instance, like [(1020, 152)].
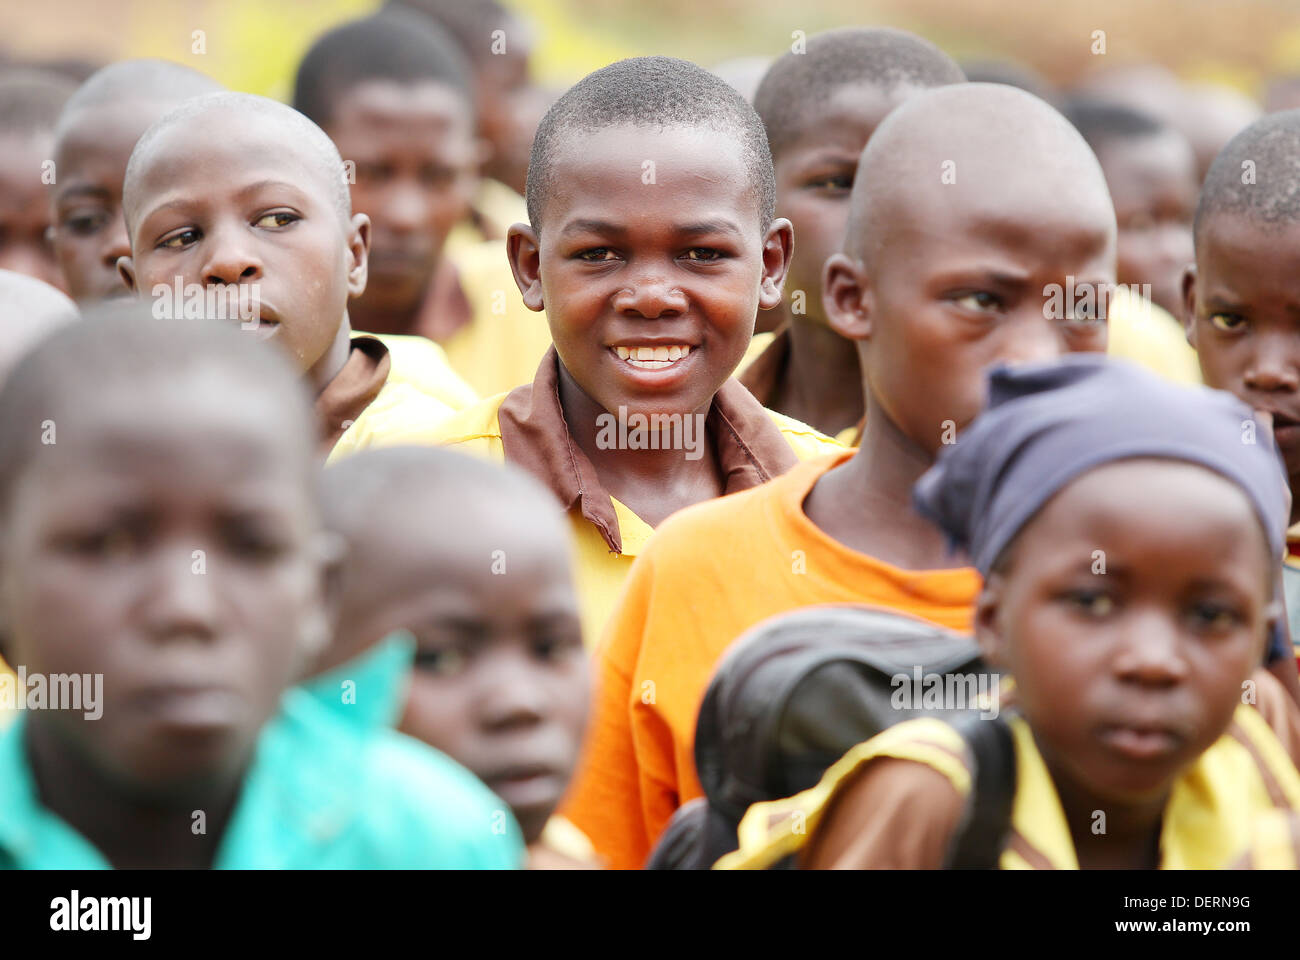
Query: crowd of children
[(696, 362)]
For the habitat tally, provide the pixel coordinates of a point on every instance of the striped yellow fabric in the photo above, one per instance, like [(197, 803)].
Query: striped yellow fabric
[(1211, 818)]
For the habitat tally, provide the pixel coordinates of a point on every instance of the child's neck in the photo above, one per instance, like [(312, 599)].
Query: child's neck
[(866, 503), (129, 832), (822, 382), (1108, 835), (333, 360), (653, 484)]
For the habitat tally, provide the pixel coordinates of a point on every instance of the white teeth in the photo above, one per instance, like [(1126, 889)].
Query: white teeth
[(653, 358)]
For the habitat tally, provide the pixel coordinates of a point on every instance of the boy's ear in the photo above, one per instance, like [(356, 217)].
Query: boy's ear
[(1189, 304), (126, 270), (524, 252), (358, 254), (778, 246), (987, 610), (331, 551), (846, 297)]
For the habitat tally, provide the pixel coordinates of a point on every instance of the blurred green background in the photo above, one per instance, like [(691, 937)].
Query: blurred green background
[(254, 45)]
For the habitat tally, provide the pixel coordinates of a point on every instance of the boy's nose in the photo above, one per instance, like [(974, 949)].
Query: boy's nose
[(1036, 340), (1274, 367), (230, 259), (182, 598), (512, 697), (405, 209), (1150, 651), (651, 296)]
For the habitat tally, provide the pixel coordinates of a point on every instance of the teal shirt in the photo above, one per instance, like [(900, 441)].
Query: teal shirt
[(319, 794), (369, 690)]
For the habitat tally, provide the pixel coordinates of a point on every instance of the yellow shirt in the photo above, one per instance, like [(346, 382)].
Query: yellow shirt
[(1209, 820), (504, 341), (600, 570), (421, 388), (1145, 333)]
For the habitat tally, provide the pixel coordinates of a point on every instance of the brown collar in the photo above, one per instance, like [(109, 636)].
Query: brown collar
[(446, 308), (352, 389), (767, 369), (748, 445)]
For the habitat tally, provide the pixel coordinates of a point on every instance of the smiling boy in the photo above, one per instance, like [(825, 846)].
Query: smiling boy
[(244, 193), (970, 200), (820, 107), (1131, 684), (652, 245)]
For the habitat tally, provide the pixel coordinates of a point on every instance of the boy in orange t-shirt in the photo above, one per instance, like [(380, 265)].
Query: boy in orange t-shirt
[(943, 277)]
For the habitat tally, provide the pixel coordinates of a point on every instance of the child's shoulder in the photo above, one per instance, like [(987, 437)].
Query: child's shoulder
[(806, 442), (378, 799)]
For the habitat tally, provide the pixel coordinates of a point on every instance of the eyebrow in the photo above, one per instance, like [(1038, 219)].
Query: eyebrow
[(83, 190)]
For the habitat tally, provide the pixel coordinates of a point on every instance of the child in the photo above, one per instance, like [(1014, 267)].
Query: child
[(969, 203), (162, 543), (652, 245), (30, 101), (29, 311), (820, 106), (1241, 297), (239, 193), (499, 46), (96, 131), (1133, 746), (1151, 174), (393, 93), (473, 559)]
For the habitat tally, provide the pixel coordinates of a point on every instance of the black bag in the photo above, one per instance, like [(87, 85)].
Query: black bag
[(794, 694)]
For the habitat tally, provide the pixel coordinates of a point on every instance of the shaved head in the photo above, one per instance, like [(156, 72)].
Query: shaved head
[(989, 147), (284, 129), (29, 310), (411, 516), (158, 82)]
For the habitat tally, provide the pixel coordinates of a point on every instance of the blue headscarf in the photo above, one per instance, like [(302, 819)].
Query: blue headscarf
[(1047, 424)]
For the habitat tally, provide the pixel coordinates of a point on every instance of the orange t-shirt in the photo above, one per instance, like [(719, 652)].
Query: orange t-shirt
[(707, 575)]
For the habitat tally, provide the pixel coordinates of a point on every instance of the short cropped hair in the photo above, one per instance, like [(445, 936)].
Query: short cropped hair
[(877, 57), (1102, 122), (394, 44), (30, 100), (294, 125), (652, 92), (1257, 174), (471, 23), (121, 344)]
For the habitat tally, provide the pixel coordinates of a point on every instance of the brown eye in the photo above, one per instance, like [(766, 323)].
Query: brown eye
[(277, 219), (1227, 322)]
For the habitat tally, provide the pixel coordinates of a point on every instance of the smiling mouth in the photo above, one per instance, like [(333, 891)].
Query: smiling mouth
[(653, 358)]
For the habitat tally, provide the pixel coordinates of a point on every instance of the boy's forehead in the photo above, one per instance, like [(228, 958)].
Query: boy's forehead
[(226, 148), (110, 127), (382, 101), (1232, 244), (848, 116), (597, 173)]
